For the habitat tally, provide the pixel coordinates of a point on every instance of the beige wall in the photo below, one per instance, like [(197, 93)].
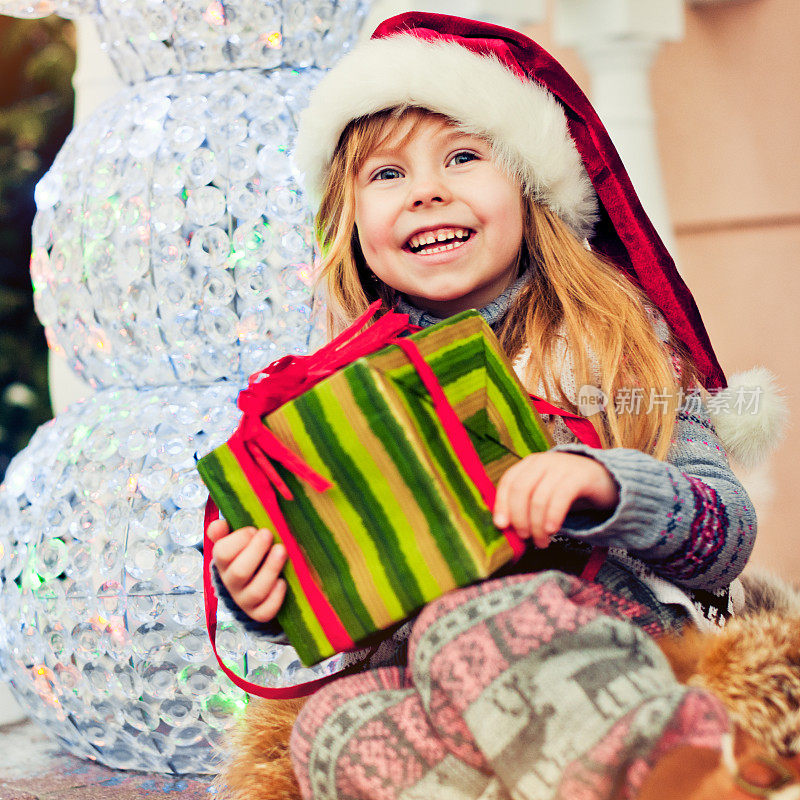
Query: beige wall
[(728, 118), (729, 130)]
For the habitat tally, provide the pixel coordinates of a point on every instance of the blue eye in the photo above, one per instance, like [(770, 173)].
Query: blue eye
[(387, 174), (463, 157)]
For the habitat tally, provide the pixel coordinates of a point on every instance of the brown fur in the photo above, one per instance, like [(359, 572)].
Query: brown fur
[(259, 767), (764, 591), (752, 665)]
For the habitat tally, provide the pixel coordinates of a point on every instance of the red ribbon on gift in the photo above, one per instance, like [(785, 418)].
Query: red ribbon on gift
[(254, 446), (291, 376), (459, 439), (581, 428)]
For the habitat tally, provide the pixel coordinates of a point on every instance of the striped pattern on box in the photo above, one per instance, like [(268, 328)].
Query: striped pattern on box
[(403, 523)]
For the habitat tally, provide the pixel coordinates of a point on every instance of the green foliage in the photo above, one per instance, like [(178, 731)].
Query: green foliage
[(37, 59)]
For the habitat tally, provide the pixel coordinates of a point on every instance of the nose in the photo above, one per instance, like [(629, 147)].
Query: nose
[(428, 189)]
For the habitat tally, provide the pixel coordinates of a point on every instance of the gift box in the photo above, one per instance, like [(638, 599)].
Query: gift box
[(378, 478)]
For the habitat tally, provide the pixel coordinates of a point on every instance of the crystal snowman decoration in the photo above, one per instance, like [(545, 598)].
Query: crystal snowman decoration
[(172, 254)]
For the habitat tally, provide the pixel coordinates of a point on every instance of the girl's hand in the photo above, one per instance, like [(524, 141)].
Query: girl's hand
[(249, 565), (536, 494)]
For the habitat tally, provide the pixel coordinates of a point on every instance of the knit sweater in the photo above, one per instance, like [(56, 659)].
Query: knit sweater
[(686, 519), (683, 522)]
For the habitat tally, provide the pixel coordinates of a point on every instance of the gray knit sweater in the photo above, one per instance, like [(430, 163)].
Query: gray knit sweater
[(687, 518)]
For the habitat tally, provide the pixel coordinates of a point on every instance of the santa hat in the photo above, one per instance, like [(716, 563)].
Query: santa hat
[(499, 84)]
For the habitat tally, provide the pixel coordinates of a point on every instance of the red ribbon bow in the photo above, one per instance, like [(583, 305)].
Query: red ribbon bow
[(291, 376), (254, 446)]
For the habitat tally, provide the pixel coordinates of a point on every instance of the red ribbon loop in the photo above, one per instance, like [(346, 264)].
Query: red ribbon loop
[(261, 444), (259, 455), (291, 376), (210, 603), (581, 427)]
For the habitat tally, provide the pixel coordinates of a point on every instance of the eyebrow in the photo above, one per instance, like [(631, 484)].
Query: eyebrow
[(388, 150), (455, 133)]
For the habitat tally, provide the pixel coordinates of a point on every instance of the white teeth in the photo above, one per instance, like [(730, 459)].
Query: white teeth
[(441, 248), (441, 235)]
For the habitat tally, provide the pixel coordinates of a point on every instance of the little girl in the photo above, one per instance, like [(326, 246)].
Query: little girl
[(458, 166)]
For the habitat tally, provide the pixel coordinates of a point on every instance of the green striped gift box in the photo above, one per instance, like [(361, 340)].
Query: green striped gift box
[(403, 522)]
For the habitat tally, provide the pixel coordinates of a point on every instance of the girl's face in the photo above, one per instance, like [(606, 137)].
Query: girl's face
[(437, 219)]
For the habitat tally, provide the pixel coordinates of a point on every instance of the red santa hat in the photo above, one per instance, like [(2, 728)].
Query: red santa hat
[(501, 85)]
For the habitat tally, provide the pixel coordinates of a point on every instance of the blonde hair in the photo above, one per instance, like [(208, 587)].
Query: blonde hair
[(577, 308)]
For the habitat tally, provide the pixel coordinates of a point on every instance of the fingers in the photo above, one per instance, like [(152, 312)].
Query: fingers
[(242, 567), (515, 492), (229, 546), (549, 504), (217, 529), (508, 503), (522, 484), (259, 589), (249, 566), (537, 493), (534, 508), (267, 610)]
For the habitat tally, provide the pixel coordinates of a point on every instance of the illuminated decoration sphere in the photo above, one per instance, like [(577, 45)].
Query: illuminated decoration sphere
[(171, 241), (172, 257)]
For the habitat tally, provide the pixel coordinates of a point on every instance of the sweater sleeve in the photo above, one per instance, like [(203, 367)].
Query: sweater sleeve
[(688, 518)]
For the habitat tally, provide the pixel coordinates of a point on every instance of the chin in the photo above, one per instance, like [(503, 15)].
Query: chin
[(443, 306), (451, 298)]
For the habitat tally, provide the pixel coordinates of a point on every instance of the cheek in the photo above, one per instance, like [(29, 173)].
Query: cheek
[(512, 207), (374, 233), (502, 206), (506, 213), (513, 214)]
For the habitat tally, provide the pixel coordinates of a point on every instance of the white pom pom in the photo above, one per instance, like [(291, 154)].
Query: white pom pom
[(750, 416)]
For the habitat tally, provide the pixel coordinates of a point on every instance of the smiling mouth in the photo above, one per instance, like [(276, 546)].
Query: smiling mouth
[(438, 241)]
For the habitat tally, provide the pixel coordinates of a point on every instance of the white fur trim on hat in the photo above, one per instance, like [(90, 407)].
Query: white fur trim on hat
[(750, 416), (523, 121)]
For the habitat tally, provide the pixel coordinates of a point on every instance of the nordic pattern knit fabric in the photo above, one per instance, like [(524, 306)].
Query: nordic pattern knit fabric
[(526, 687)]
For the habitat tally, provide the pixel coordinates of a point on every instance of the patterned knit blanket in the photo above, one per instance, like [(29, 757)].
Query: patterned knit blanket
[(528, 687)]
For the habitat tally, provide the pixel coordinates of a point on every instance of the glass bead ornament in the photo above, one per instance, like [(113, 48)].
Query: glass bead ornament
[(35, 9), (166, 247), (172, 257)]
